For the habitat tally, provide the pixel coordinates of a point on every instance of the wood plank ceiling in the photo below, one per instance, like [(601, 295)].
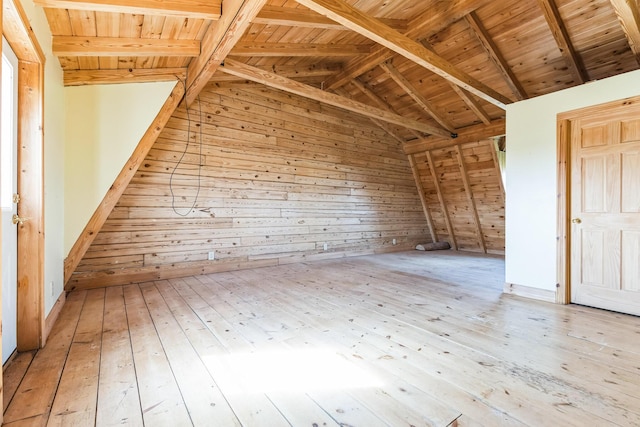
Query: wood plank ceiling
[(428, 67)]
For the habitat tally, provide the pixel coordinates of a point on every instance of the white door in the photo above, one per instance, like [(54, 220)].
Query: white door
[(605, 209), (8, 188)]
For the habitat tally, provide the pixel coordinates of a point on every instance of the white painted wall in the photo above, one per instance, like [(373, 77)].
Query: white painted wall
[(54, 137), (531, 186), (103, 126)]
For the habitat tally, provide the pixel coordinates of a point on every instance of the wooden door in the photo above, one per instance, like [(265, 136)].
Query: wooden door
[(605, 208)]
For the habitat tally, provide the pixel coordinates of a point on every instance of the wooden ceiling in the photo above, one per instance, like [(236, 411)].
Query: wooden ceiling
[(422, 67)]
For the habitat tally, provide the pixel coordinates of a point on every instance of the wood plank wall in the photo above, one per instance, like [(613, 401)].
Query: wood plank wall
[(463, 195), (281, 177)]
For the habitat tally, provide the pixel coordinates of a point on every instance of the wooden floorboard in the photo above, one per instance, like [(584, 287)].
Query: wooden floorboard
[(413, 338), (13, 377)]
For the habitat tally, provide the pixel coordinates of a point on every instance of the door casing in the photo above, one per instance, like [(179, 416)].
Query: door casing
[(563, 294)]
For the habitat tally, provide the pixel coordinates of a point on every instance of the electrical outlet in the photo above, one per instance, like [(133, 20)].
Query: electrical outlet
[(211, 256), (395, 241), (325, 246), (52, 286)]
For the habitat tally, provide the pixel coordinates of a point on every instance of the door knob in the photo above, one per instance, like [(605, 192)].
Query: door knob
[(576, 220), (18, 219)]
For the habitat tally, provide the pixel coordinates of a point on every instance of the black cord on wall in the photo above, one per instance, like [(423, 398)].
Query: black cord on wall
[(186, 148)]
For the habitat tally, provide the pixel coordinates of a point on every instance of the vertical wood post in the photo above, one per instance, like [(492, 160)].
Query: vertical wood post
[(423, 200), (470, 198), (445, 211), (563, 291), (494, 156)]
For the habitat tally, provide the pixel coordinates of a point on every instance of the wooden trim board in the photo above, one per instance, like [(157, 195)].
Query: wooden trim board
[(563, 296), (529, 292), (31, 189), (53, 316)]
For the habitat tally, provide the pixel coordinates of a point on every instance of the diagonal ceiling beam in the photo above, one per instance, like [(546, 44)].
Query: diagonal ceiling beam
[(472, 104), (365, 89), (382, 125), (218, 41), (436, 18), (495, 55), (300, 72), (466, 97), (559, 31), (248, 72), (413, 92), (628, 12), (117, 46), (290, 17), (194, 9), (375, 30)]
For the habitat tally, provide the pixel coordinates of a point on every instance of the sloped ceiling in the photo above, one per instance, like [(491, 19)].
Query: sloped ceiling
[(378, 52)]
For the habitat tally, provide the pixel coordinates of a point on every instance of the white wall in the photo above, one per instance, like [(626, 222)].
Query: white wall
[(531, 186), (104, 125), (54, 122)]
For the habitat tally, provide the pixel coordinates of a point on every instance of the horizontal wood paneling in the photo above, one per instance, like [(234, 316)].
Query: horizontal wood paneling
[(281, 177), (478, 210)]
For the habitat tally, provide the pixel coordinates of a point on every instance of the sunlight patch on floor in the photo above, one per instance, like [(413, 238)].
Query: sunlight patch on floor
[(295, 370)]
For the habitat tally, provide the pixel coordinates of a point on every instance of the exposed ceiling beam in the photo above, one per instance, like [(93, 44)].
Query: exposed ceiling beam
[(473, 105), (495, 55), (125, 75), (467, 134), (364, 88), (317, 71), (218, 41), (382, 125), (273, 80), (298, 49), (194, 9), (466, 97), (117, 46), (375, 30), (413, 92), (559, 31), (628, 12), (290, 17), (436, 18)]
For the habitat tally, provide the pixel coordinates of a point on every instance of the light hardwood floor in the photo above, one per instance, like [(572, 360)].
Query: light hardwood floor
[(402, 339)]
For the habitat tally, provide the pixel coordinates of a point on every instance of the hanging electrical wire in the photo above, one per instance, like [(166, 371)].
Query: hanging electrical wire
[(186, 148)]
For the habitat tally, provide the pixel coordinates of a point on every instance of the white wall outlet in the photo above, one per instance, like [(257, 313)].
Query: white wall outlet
[(211, 255), (394, 241), (52, 287), (325, 246)]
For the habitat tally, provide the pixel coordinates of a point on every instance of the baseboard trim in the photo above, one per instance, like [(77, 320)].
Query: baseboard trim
[(53, 316), (529, 292)]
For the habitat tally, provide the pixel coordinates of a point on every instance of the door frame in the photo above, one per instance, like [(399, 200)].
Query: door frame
[(17, 30), (564, 123)]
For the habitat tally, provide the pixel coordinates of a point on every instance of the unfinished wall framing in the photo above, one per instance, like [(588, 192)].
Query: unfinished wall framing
[(281, 177)]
